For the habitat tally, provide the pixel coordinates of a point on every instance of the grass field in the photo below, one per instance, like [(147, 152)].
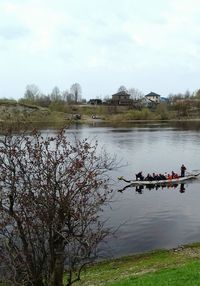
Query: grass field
[(186, 275), (160, 268)]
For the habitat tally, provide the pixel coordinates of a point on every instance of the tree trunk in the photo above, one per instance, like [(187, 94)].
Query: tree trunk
[(38, 282), (56, 278)]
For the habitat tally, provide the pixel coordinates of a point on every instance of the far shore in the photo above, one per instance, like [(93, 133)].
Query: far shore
[(27, 113)]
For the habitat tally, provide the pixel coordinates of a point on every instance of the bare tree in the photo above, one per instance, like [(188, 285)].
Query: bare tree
[(197, 93), (76, 91), (107, 98), (70, 98), (32, 92), (43, 100), (65, 94), (122, 88), (52, 193), (135, 93), (55, 94)]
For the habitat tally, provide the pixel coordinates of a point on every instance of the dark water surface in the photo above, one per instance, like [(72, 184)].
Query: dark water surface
[(151, 219)]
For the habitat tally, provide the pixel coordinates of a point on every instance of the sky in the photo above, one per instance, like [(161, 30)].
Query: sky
[(100, 44)]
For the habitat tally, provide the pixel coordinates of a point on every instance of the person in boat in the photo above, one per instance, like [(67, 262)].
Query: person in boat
[(139, 176), (162, 177), (183, 169), (159, 177), (169, 176), (149, 178), (174, 175), (156, 177)]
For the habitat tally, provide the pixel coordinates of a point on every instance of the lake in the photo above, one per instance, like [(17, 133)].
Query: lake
[(156, 218)]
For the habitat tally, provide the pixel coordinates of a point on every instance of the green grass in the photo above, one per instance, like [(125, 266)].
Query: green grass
[(187, 275), (155, 266)]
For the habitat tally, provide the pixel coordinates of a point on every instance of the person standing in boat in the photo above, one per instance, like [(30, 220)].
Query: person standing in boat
[(183, 169)]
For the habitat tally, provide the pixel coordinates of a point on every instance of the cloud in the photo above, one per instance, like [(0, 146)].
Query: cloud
[(13, 32), (40, 20), (115, 39)]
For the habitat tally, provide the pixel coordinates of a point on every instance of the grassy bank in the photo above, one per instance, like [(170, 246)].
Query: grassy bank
[(163, 267), (11, 111)]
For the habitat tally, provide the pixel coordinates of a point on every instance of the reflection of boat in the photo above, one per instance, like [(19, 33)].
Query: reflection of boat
[(161, 182), (140, 188)]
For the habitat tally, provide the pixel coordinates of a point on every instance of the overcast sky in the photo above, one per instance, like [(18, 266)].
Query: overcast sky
[(101, 44)]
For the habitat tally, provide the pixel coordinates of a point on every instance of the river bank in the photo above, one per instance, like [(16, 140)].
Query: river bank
[(177, 266), (29, 113)]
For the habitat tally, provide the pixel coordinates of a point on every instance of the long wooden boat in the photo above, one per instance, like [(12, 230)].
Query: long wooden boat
[(161, 182)]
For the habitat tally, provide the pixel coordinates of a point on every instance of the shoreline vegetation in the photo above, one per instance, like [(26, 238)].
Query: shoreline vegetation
[(12, 111), (174, 267)]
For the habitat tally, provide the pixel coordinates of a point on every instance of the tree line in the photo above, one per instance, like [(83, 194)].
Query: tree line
[(72, 96), (33, 95)]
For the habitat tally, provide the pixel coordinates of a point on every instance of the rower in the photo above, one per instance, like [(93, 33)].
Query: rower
[(183, 169), (149, 178), (139, 176)]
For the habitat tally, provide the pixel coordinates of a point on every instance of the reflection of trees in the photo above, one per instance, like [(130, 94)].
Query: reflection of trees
[(186, 125)]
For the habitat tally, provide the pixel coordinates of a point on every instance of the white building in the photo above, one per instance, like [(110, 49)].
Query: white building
[(153, 97)]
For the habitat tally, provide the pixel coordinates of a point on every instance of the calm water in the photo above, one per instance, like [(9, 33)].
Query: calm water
[(152, 219)]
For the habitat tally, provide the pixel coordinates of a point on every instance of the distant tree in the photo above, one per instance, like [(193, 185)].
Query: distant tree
[(187, 94), (70, 98), (43, 100), (52, 194), (181, 96), (75, 89), (106, 99), (64, 95), (122, 88), (55, 94), (175, 97), (32, 92), (197, 94), (135, 93), (182, 108)]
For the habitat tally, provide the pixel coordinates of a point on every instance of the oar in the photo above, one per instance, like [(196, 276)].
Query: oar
[(122, 178), (123, 189)]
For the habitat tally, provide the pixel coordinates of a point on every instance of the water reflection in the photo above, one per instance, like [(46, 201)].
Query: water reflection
[(151, 125), (141, 188), (159, 218)]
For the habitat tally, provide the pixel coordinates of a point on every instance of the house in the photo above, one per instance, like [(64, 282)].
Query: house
[(153, 97), (95, 101), (121, 98)]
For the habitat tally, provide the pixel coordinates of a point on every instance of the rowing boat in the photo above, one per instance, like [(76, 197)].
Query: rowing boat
[(161, 182)]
